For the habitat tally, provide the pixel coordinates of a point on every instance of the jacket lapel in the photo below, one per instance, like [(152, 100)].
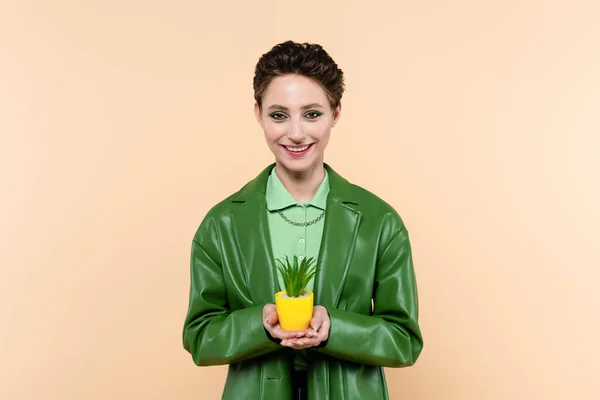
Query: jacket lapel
[(340, 232), (253, 240)]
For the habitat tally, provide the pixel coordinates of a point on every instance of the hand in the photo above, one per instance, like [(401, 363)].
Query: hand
[(317, 333), (271, 324)]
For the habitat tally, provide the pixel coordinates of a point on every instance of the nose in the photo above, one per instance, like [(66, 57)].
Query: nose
[(296, 132)]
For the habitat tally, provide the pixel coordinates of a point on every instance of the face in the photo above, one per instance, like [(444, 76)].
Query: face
[(297, 119)]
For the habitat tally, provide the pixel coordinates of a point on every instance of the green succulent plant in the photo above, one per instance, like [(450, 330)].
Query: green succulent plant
[(296, 275)]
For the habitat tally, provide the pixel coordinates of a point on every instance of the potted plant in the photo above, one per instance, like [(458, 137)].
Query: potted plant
[(294, 305)]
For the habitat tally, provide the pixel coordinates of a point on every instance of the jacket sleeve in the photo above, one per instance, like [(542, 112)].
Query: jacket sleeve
[(391, 336), (212, 333)]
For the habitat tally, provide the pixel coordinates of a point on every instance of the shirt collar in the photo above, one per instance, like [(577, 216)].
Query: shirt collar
[(340, 189), (278, 197)]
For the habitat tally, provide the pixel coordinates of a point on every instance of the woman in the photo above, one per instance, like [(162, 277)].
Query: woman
[(366, 309)]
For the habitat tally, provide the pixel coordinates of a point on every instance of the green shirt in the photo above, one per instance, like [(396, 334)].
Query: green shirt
[(288, 239)]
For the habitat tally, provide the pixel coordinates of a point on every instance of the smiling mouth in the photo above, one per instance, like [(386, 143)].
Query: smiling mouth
[(297, 150)]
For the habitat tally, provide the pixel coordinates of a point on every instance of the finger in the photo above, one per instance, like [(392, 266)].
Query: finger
[(267, 309), (289, 343), (311, 333), (302, 342), (272, 318), (298, 344), (324, 332), (281, 334), (300, 334), (309, 342), (315, 323), (298, 347)]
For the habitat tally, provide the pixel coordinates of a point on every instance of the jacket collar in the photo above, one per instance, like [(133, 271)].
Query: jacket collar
[(278, 197), (339, 187)]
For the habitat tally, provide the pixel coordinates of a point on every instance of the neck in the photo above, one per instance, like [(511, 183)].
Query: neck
[(301, 185)]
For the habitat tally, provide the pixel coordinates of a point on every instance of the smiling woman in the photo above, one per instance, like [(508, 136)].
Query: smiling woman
[(365, 314), (297, 116)]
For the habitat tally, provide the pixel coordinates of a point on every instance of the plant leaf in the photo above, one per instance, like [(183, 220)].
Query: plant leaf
[(296, 275)]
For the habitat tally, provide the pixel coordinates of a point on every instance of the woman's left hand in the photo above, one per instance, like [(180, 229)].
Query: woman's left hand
[(317, 332)]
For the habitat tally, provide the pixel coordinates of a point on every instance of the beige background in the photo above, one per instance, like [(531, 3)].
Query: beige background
[(477, 120)]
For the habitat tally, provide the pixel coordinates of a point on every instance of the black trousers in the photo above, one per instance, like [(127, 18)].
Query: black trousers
[(299, 385)]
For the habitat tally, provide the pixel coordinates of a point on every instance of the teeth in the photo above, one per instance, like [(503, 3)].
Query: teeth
[(296, 149)]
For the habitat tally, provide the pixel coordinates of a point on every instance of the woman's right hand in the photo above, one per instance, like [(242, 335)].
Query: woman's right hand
[(271, 324)]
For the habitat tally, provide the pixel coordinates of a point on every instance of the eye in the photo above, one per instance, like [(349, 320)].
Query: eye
[(313, 114), (278, 116)]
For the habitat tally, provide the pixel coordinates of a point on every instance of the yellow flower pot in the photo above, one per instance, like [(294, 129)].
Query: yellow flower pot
[(294, 313)]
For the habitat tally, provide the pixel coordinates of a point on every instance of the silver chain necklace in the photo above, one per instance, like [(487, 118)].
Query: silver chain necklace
[(314, 221)]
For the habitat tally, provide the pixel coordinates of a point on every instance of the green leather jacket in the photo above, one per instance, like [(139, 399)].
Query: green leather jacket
[(365, 280)]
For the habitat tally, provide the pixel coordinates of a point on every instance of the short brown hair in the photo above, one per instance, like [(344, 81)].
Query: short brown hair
[(306, 59)]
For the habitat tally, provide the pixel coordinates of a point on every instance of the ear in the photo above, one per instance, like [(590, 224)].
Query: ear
[(257, 113), (336, 114)]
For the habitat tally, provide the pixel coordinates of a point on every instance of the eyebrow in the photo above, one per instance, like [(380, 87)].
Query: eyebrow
[(306, 107)]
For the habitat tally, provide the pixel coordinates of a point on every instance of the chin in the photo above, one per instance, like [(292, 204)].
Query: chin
[(296, 165)]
